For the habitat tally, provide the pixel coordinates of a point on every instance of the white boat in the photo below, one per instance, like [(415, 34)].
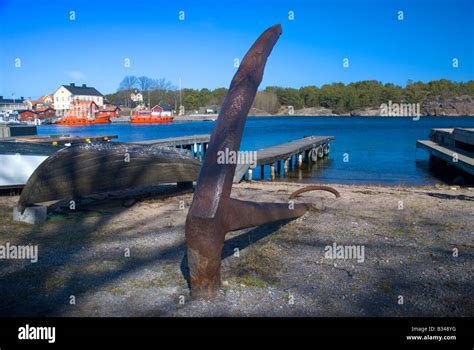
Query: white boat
[(18, 160)]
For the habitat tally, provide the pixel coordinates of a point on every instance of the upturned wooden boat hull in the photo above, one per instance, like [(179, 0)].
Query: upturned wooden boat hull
[(85, 169)]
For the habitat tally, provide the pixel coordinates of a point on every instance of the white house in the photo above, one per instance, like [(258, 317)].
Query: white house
[(12, 104), (136, 96), (66, 94)]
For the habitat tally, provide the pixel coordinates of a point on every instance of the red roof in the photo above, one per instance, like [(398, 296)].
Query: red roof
[(43, 108), (109, 108)]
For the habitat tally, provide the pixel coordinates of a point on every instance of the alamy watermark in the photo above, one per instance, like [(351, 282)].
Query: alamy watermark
[(345, 252), (37, 333), (21, 252), (400, 110), (236, 157)]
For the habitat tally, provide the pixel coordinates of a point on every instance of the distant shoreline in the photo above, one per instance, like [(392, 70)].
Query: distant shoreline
[(204, 118), (213, 117)]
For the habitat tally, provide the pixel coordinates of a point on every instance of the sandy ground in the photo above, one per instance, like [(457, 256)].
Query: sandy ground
[(111, 259)]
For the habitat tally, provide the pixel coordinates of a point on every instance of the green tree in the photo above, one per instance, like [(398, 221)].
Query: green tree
[(191, 102), (310, 96)]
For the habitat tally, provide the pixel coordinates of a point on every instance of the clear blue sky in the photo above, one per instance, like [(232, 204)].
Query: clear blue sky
[(201, 49)]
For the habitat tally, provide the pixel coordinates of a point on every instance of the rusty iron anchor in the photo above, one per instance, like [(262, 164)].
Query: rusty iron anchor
[(213, 212)]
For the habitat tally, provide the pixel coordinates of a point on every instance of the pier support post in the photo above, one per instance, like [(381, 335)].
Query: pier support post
[(313, 155), (306, 156), (262, 172), (291, 161), (249, 176), (300, 160), (320, 152), (272, 171), (285, 166), (326, 149), (279, 167)]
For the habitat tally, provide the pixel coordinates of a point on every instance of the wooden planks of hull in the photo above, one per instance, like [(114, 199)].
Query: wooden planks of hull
[(85, 169)]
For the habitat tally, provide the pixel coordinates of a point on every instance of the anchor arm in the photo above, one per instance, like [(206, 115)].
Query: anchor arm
[(244, 214)]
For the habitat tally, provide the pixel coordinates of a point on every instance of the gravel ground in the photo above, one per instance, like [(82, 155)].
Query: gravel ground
[(111, 259)]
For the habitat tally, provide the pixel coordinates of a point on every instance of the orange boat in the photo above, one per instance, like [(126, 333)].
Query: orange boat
[(158, 114), (83, 113), (101, 120), (73, 120)]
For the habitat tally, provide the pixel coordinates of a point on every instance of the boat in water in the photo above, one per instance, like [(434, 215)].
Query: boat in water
[(158, 114), (83, 113), (78, 121), (92, 168)]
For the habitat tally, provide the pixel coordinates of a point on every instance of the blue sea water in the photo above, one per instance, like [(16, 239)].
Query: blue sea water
[(379, 150)]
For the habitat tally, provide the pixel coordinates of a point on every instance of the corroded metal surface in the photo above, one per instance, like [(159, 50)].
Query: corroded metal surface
[(213, 213), (315, 188)]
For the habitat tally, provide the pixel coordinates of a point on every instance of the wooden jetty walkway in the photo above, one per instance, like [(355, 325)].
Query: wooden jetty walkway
[(197, 144), (306, 149), (453, 146), (65, 139), (178, 141)]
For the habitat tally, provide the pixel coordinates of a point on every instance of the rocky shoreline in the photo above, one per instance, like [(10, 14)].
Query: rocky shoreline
[(459, 106)]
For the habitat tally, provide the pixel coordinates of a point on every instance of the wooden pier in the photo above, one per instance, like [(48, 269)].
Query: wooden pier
[(62, 140), (454, 146), (197, 144), (306, 149)]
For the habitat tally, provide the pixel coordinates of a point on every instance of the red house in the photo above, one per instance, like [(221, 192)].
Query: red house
[(44, 112), (110, 111), (26, 116)]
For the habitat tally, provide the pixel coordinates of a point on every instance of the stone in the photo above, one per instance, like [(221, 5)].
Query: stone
[(35, 214)]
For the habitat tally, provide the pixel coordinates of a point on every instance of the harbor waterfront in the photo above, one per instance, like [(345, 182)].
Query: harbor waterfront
[(366, 150)]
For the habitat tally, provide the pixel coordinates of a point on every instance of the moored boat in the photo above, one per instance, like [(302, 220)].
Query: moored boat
[(83, 113), (158, 114)]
